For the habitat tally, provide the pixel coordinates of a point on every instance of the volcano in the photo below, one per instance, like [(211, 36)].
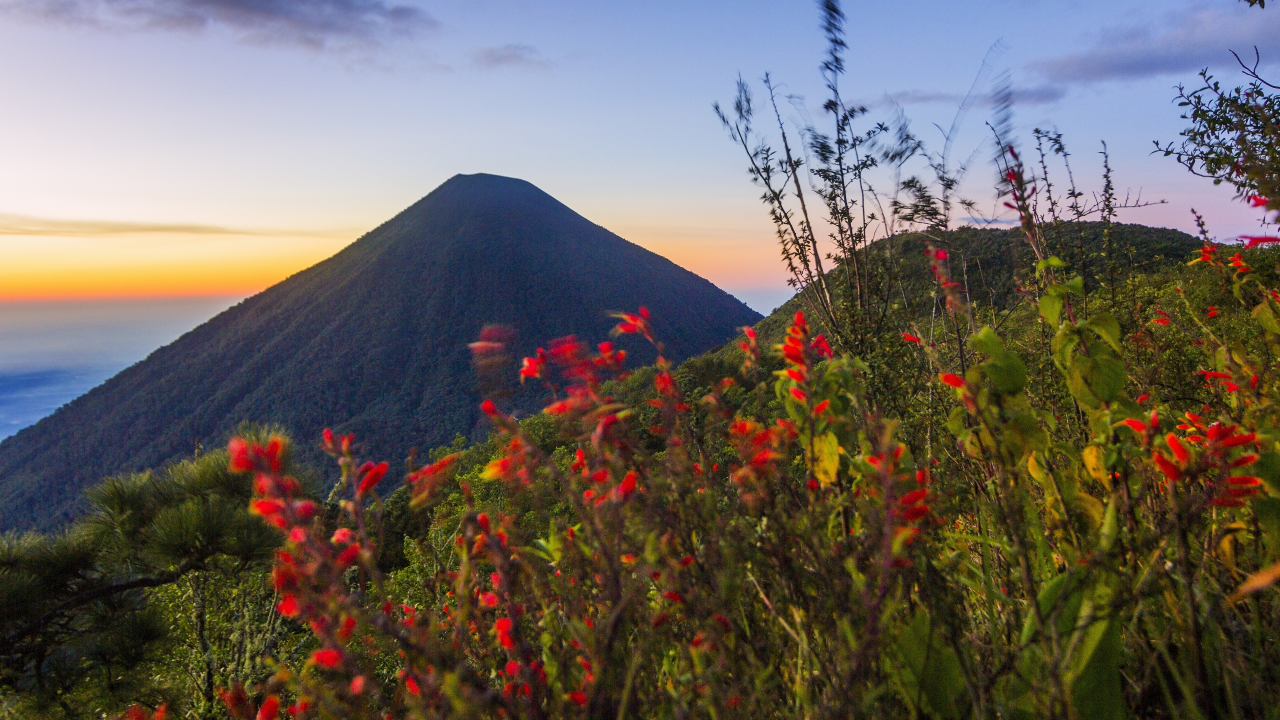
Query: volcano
[(372, 341)]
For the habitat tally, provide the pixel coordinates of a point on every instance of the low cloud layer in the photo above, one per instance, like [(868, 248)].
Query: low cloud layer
[(27, 226), (1039, 95), (511, 55), (1183, 44), (312, 23)]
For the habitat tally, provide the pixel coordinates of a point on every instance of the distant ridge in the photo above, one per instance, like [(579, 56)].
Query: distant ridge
[(371, 341)]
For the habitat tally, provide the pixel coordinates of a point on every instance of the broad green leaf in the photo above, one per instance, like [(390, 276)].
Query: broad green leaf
[(1107, 328), (926, 670), (1051, 308), (986, 341), (1266, 317)]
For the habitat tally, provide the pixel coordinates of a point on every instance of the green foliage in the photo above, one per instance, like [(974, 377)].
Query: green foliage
[(1234, 134), (80, 630)]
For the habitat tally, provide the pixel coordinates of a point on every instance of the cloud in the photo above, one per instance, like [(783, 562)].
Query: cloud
[(317, 24), (1185, 43), (26, 226), (510, 55), (1039, 95)]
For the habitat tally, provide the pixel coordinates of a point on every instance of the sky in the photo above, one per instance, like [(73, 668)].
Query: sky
[(161, 159)]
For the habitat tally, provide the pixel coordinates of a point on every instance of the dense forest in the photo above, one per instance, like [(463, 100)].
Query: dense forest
[(964, 473)]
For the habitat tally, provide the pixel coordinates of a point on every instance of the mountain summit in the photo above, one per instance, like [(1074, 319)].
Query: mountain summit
[(371, 341)]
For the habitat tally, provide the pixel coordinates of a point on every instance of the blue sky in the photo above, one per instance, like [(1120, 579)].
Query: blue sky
[(149, 147)]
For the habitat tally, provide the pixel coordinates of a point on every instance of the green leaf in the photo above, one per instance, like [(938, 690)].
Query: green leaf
[(986, 341), (1268, 512), (1053, 261), (1266, 317), (1107, 328), (1051, 308), (1096, 690), (926, 670)]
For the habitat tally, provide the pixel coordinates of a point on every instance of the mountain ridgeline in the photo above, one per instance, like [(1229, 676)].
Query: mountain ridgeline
[(372, 341)]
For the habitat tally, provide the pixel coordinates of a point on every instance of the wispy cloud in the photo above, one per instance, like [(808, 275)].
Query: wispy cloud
[(24, 225), (317, 24), (510, 55), (1039, 95), (1184, 43)]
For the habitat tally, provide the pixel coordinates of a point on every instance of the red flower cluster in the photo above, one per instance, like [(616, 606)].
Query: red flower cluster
[(1216, 441)]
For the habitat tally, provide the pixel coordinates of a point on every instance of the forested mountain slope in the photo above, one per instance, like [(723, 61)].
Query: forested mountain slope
[(372, 341)]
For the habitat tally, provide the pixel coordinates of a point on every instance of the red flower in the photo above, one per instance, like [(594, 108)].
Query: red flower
[(266, 508), (327, 658), (578, 697), (916, 513), (627, 486), (799, 394), (342, 536), (908, 337), (913, 497), (412, 686), (532, 366), (357, 685), (822, 347), (1179, 450), (954, 381), (288, 606), (269, 708), (1256, 240), (488, 408), (489, 599), (372, 476), (664, 384), (348, 556), (239, 451), (1171, 471), (1206, 255), (1135, 425)]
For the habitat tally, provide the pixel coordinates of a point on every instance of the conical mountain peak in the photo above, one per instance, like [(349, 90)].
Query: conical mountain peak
[(371, 341)]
